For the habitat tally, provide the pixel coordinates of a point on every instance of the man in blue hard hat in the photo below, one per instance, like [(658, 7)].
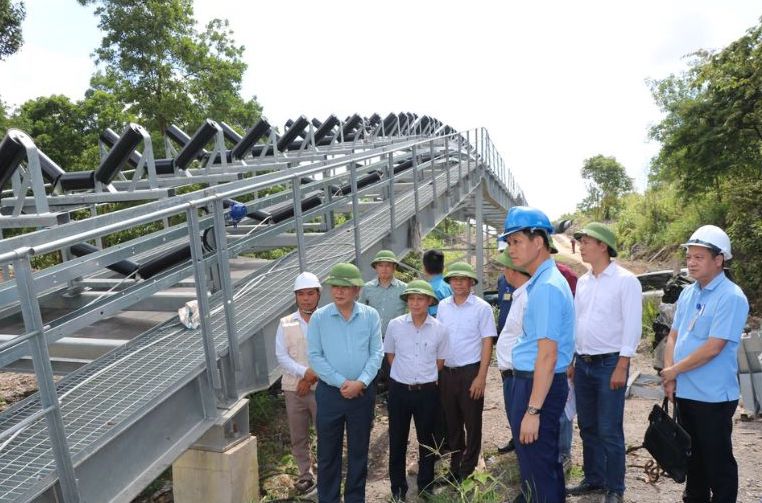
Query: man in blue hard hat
[(541, 356)]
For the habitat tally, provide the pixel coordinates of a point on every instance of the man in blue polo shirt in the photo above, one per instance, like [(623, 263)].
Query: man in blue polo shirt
[(540, 358), (701, 366), (345, 351), (433, 267)]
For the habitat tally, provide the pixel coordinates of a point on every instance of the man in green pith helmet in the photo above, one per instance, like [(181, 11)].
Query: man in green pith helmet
[(383, 294), (415, 346), (608, 309), (471, 328), (344, 349)]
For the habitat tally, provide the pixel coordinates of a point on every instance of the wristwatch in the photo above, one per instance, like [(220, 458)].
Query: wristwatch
[(533, 411)]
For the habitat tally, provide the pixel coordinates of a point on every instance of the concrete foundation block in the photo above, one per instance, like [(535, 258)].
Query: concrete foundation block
[(231, 476)]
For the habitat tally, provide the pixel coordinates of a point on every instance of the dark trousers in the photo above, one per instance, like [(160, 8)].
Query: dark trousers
[(462, 411), (507, 392), (542, 475), (422, 406), (600, 416), (334, 413), (382, 377), (712, 468)]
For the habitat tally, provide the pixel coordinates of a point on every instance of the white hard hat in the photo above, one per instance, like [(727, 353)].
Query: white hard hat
[(306, 280), (712, 237)]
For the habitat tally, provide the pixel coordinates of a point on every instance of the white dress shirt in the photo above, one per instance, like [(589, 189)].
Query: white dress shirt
[(608, 310), (514, 323), (416, 350), (288, 364), (467, 324)]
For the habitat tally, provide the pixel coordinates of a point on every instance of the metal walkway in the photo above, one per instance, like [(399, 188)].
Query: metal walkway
[(125, 417)]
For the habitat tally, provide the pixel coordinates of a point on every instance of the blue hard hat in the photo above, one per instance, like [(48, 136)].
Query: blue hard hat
[(525, 217)]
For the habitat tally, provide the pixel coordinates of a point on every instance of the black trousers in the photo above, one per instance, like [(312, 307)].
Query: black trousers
[(462, 411), (423, 407), (712, 469)]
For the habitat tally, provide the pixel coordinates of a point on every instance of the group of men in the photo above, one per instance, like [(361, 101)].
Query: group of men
[(437, 337)]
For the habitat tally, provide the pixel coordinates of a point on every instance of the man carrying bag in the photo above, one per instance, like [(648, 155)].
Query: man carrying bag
[(701, 367)]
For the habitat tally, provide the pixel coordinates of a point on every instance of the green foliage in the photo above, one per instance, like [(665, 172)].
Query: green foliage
[(11, 16), (53, 122), (712, 125), (155, 61), (606, 181), (745, 230), (650, 312), (660, 217), (68, 131), (3, 117)]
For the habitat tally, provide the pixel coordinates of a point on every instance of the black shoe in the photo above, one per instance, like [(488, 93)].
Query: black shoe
[(583, 487), (510, 446), (612, 497)]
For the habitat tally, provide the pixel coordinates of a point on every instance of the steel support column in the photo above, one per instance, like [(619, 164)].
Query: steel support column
[(480, 237)]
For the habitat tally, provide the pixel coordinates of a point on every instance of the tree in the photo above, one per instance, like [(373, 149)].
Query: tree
[(711, 138), (68, 131), (11, 38), (713, 118), (153, 59), (606, 181)]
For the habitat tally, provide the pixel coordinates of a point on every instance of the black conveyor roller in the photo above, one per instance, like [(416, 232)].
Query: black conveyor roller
[(123, 267), (119, 153)]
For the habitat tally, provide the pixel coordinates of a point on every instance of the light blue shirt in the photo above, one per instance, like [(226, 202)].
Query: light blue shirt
[(549, 314), (441, 289), (341, 350), (385, 300), (718, 310)]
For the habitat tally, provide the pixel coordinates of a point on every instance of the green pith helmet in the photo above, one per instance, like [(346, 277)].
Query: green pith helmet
[(552, 245), (600, 232), (460, 270), (344, 274), (384, 256), (505, 260), (421, 287)]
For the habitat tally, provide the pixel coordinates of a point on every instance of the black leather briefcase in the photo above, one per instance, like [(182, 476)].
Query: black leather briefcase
[(668, 442)]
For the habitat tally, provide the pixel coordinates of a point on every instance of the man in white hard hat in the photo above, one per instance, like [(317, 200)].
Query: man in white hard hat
[(701, 366), (298, 382)]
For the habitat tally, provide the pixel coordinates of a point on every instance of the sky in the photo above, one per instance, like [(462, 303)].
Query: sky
[(554, 82)]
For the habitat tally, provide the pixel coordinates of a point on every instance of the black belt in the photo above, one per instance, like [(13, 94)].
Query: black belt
[(464, 367), (506, 373), (529, 374), (416, 387), (596, 358)]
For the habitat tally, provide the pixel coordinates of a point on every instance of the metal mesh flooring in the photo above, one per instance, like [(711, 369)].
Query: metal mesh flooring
[(105, 393)]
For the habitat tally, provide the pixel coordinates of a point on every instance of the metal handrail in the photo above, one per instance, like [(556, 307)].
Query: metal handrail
[(484, 155), (217, 193)]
